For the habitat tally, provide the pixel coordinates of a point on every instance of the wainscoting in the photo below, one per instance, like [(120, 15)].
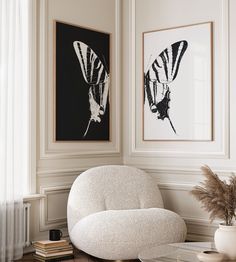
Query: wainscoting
[(174, 165), (50, 211), (59, 163)]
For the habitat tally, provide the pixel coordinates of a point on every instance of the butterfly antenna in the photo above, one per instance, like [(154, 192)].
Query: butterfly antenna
[(171, 125), (85, 133)]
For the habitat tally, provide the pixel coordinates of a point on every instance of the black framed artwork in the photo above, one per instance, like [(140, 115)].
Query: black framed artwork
[(82, 83)]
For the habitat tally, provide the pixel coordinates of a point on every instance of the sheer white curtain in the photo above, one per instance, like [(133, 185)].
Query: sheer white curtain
[(14, 124)]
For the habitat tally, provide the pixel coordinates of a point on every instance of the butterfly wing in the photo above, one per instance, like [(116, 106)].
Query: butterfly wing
[(163, 71), (97, 77), (93, 70), (165, 67)]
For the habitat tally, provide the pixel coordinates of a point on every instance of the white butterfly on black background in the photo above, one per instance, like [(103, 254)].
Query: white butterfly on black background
[(82, 83), (163, 71), (96, 76)]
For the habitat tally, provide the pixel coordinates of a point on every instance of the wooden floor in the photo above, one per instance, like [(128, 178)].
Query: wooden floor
[(79, 257)]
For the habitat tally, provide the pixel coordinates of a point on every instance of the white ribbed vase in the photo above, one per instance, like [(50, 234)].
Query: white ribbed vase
[(225, 239)]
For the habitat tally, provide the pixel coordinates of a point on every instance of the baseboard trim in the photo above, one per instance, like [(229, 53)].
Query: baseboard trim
[(200, 229)]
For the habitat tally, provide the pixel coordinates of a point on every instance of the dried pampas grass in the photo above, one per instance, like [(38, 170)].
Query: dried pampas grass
[(217, 197)]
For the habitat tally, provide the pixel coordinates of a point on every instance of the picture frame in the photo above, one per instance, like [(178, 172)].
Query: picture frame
[(82, 83), (178, 83)]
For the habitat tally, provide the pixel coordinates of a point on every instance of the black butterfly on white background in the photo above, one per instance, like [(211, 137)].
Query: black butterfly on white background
[(96, 76), (163, 71)]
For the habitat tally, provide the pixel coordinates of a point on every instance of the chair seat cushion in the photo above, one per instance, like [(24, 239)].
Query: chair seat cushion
[(122, 234)]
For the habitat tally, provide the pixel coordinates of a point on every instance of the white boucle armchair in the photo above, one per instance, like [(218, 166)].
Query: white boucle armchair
[(114, 212)]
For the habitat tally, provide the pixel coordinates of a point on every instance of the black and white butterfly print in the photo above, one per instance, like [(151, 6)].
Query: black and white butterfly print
[(96, 75), (162, 72)]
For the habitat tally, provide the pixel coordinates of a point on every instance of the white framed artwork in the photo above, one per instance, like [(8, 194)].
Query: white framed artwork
[(177, 83)]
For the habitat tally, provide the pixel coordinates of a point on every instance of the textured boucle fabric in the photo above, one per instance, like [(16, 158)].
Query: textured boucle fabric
[(114, 212), (111, 187), (122, 234)]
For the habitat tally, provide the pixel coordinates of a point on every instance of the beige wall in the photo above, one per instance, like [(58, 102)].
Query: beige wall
[(58, 164), (176, 165)]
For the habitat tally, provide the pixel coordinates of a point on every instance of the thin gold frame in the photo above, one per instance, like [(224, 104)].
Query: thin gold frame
[(54, 85), (211, 87)]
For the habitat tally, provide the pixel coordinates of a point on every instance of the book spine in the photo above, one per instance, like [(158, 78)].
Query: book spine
[(54, 254), (42, 259), (52, 245), (53, 250)]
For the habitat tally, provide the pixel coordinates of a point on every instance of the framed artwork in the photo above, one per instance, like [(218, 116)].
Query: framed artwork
[(82, 83), (177, 83)]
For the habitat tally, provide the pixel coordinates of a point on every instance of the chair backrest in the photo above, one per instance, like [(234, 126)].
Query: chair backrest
[(111, 188)]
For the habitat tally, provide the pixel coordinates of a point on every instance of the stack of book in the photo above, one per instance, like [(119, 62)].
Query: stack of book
[(47, 250)]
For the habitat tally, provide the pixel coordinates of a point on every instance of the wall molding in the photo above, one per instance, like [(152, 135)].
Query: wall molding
[(33, 197), (185, 172), (221, 149), (200, 229), (60, 172), (45, 222), (50, 149), (181, 171), (169, 178), (176, 187)]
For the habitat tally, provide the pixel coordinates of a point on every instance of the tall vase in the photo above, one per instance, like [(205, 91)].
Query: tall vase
[(225, 239)]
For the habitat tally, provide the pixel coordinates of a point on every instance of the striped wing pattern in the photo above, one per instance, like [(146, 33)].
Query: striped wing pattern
[(97, 77), (93, 70), (163, 70), (165, 67)]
